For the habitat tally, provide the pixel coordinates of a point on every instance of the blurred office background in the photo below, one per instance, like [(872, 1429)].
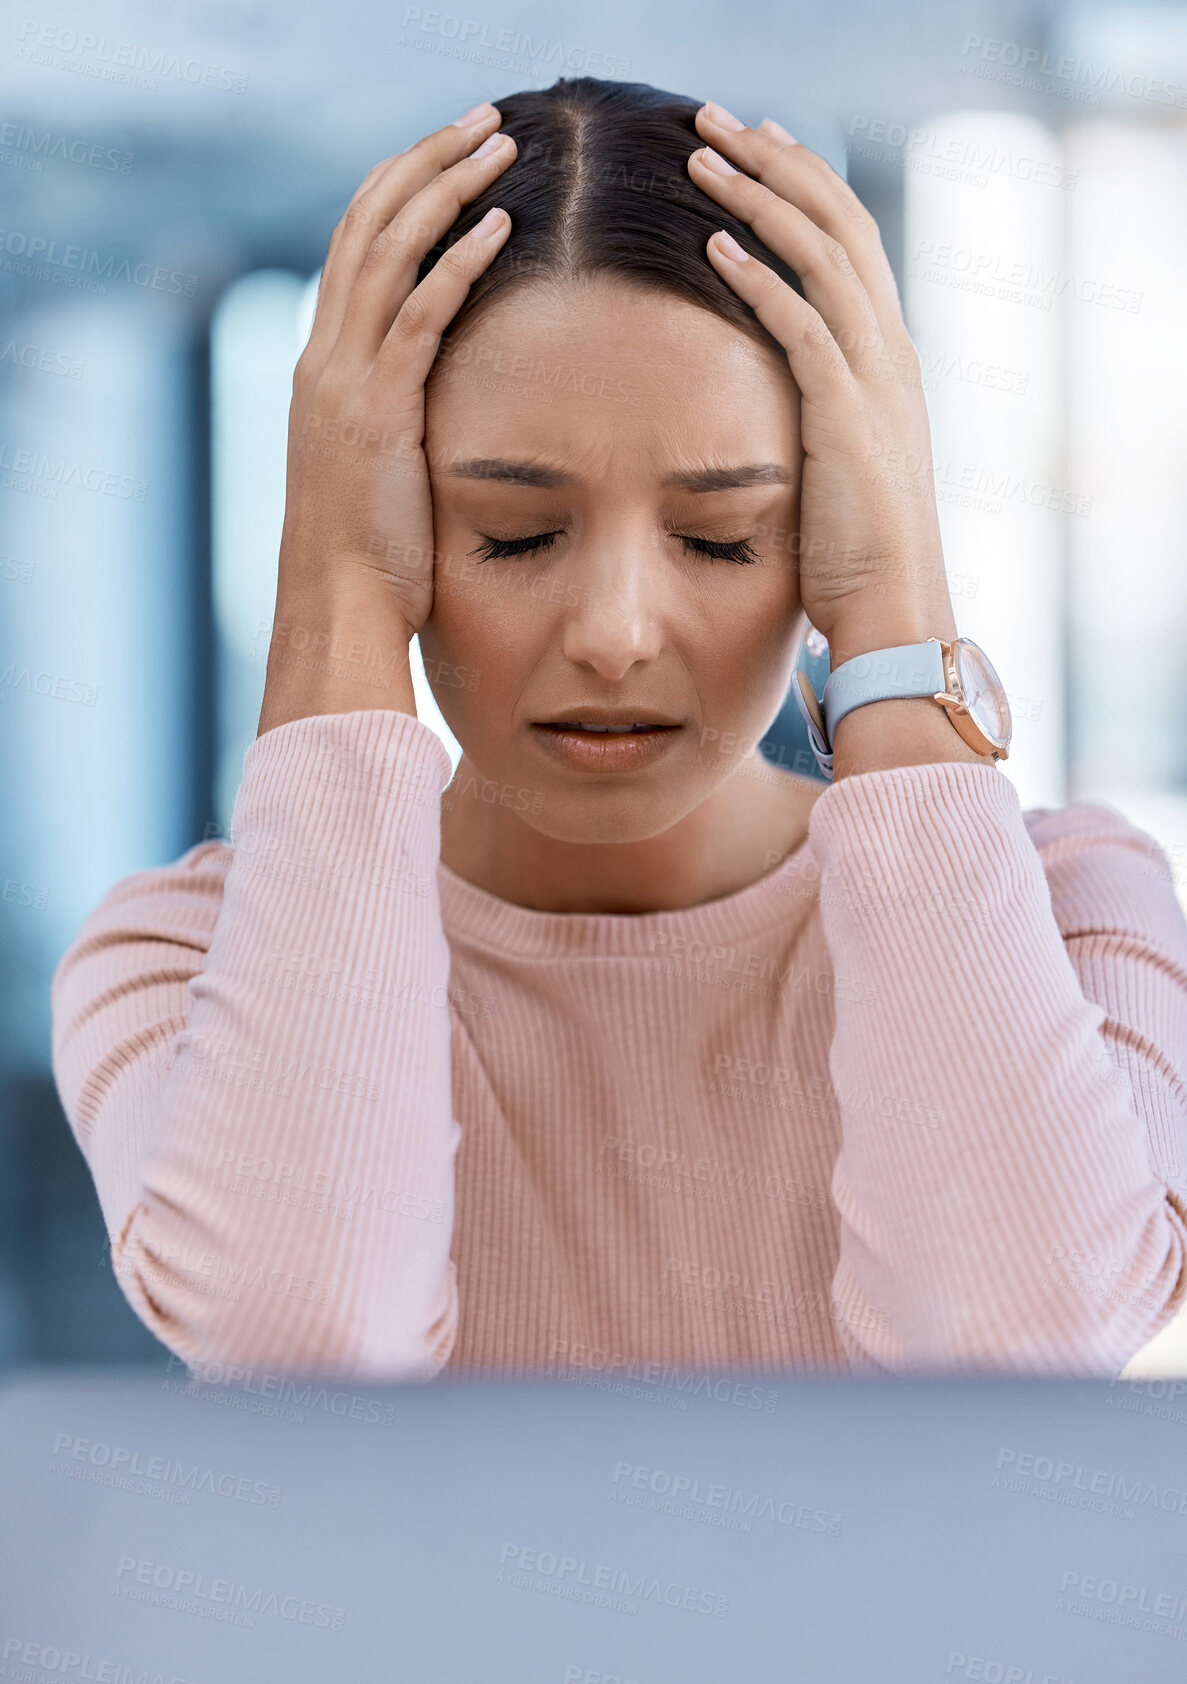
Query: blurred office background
[(171, 174)]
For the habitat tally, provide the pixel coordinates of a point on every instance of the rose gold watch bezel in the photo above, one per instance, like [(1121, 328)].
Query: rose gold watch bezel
[(953, 702)]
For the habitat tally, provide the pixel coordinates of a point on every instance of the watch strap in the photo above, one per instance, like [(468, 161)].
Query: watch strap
[(809, 706), (903, 670)]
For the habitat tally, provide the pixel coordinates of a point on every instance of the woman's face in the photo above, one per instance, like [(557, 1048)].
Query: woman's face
[(610, 396)]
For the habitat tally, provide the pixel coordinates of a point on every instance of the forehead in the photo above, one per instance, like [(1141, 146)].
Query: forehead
[(610, 371)]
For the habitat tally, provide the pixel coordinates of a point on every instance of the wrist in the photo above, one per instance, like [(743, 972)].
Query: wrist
[(335, 658), (883, 625), (900, 731), (894, 731)]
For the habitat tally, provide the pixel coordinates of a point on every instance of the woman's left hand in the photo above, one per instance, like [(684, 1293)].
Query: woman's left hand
[(870, 558)]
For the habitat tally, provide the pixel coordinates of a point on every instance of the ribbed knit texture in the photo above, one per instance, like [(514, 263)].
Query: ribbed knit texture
[(914, 1101)]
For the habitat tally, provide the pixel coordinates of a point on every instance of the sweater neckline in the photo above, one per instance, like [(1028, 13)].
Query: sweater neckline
[(779, 897)]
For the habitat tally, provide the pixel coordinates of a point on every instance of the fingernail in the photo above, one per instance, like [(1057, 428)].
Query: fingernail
[(723, 118), (729, 247), (490, 224), (474, 115), (490, 144), (716, 162), (777, 129)]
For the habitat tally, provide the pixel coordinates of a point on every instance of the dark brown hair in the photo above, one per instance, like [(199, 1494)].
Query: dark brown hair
[(601, 187)]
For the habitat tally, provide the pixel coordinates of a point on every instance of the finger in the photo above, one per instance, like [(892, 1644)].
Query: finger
[(479, 122), (817, 363), (803, 178), (831, 284), (371, 176), (412, 341), (390, 267), (375, 201)]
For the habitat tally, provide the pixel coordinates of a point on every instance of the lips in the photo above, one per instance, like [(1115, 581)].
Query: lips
[(594, 746), (613, 730)]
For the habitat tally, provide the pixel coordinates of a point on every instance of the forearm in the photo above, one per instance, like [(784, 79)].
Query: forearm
[(336, 657), (987, 1148), (913, 731), (290, 1194), (903, 731)]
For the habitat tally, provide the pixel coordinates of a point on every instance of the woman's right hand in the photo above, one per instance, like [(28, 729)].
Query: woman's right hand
[(356, 551)]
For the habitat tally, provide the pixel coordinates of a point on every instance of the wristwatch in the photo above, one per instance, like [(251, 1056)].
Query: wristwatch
[(958, 675)]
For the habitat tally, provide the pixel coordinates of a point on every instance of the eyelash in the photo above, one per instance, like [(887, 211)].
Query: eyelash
[(494, 549)]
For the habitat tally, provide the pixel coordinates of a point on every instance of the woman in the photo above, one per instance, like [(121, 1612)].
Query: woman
[(623, 1048)]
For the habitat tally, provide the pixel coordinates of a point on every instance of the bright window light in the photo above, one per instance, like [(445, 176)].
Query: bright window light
[(982, 239), (260, 328)]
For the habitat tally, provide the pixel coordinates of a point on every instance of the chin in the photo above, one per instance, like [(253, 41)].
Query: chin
[(602, 814)]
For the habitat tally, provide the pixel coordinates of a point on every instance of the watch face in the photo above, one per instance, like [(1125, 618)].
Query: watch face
[(983, 693)]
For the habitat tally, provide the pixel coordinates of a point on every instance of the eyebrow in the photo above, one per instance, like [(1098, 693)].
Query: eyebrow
[(700, 479)]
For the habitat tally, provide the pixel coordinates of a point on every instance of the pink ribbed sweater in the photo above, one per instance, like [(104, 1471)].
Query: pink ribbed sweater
[(914, 1100)]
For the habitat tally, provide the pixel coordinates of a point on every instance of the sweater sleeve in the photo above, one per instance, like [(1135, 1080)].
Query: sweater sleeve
[(252, 1047), (1009, 1059)]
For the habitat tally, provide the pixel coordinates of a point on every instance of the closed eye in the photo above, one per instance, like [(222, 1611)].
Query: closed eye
[(492, 549), (739, 550)]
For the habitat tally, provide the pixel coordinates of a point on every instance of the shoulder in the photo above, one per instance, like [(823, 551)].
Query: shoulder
[(150, 929), (1084, 829), (1104, 870), (179, 901), (197, 872)]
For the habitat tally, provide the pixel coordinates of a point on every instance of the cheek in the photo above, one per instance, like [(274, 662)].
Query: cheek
[(747, 660), (476, 621), (763, 608)]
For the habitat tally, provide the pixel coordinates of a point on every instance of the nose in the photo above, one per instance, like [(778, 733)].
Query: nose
[(617, 617)]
